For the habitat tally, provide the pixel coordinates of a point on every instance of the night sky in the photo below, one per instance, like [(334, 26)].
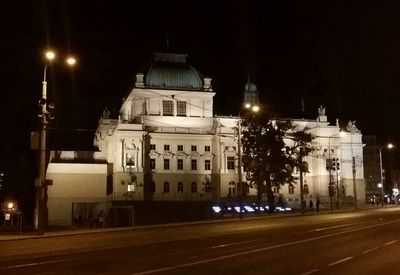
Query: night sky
[(344, 55)]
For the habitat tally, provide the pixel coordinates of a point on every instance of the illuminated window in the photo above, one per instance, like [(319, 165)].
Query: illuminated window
[(180, 164), (168, 107), (166, 187), (180, 187), (207, 164), (194, 164), (181, 108), (230, 162), (152, 164), (166, 164)]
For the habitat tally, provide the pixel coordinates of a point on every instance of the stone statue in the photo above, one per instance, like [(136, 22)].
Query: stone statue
[(321, 110), (351, 127), (106, 113)]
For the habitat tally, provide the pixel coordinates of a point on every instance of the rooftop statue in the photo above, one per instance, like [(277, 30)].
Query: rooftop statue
[(321, 111), (351, 127)]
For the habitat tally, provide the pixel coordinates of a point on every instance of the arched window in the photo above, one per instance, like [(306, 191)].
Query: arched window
[(194, 187), (180, 186), (166, 187)]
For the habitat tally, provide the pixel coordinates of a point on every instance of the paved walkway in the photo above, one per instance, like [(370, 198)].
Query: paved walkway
[(9, 236)]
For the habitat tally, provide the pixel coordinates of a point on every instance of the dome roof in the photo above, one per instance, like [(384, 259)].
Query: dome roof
[(250, 87), (170, 71)]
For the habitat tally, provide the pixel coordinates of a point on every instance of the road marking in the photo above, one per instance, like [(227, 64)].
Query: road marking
[(264, 249), (310, 272), (331, 227), (392, 242), (39, 263), (370, 250), (340, 261)]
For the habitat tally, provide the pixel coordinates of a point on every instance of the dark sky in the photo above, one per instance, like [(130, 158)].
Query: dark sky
[(344, 55)]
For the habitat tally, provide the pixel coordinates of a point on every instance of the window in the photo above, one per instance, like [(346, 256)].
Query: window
[(207, 187), (207, 148), (129, 160), (305, 188), (180, 164), (152, 147), (231, 163), (166, 187), (180, 148), (168, 107), (194, 187), (180, 186), (181, 108), (231, 189), (194, 164), (166, 164), (194, 148), (291, 189), (152, 164), (207, 164), (166, 147)]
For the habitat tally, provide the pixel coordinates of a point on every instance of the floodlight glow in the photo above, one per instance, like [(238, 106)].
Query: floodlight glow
[(247, 106), (71, 61), (10, 205), (248, 208), (255, 108), (216, 209), (50, 55), (237, 209), (390, 146)]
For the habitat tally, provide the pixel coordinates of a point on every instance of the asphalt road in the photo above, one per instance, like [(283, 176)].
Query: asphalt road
[(364, 242)]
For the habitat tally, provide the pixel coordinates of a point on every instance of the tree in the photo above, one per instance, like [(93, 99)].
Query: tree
[(265, 156), (301, 147)]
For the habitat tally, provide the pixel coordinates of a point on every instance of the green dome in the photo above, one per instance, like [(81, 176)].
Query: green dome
[(170, 71)]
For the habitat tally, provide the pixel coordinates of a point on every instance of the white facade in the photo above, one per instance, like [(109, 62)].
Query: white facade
[(167, 145)]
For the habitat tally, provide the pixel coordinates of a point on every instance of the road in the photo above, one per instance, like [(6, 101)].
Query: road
[(363, 242)]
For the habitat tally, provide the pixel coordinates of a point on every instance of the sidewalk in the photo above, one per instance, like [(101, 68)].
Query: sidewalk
[(10, 236)]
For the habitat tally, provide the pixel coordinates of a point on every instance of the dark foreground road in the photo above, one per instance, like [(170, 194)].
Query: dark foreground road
[(365, 242)]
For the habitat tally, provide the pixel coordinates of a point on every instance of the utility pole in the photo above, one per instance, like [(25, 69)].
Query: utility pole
[(354, 182), (240, 183)]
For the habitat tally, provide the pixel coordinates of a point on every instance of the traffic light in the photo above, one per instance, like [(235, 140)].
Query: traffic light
[(329, 164), (335, 164)]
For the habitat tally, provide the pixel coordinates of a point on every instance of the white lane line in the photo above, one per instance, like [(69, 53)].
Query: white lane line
[(39, 263), (370, 250), (331, 227), (310, 272), (340, 261), (392, 242)]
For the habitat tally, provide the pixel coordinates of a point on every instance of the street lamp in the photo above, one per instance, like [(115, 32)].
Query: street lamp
[(388, 146), (255, 109), (45, 115)]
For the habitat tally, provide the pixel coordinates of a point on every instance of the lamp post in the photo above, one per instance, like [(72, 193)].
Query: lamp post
[(41, 207), (254, 109), (389, 146)]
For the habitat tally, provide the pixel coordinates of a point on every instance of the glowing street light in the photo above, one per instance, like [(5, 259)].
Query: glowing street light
[(45, 113), (388, 146)]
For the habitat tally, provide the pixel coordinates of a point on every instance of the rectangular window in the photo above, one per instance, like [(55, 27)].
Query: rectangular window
[(166, 147), (194, 148), (194, 187), (207, 164), (168, 107), (180, 148), (180, 164), (230, 163), (152, 164), (166, 164), (181, 108), (194, 164), (207, 148), (152, 147)]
